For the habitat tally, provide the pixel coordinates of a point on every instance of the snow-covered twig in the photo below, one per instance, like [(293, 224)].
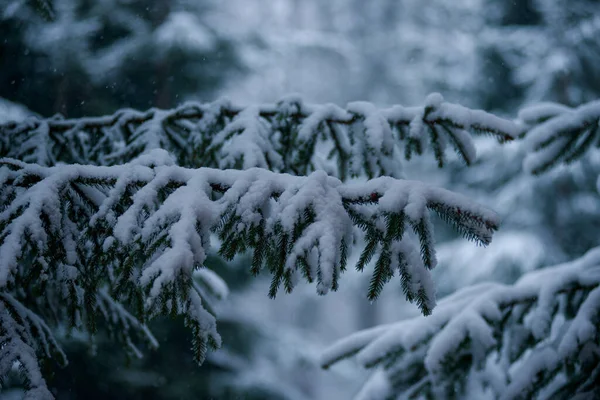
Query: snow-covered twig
[(559, 134)]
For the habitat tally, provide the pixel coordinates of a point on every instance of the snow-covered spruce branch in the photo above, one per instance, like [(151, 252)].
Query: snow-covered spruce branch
[(538, 336), (137, 232), (283, 137), (559, 134), (169, 211)]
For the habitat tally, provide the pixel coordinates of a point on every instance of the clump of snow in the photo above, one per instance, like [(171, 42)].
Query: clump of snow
[(318, 115), (541, 112), (246, 139), (378, 132)]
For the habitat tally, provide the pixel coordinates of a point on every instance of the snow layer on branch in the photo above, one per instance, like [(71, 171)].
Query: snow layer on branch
[(22, 333), (378, 132), (216, 284), (331, 224), (362, 138), (541, 112), (559, 134), (475, 119), (566, 122), (189, 235), (42, 199), (350, 345), (148, 136), (469, 318), (247, 139), (317, 116), (37, 147)]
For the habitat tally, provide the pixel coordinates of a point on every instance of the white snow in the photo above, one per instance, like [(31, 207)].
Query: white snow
[(317, 116), (246, 138), (542, 111), (378, 132), (547, 140)]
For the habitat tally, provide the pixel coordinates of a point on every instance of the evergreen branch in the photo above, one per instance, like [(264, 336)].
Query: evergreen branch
[(490, 328), (134, 216), (557, 134), (281, 136), (142, 230)]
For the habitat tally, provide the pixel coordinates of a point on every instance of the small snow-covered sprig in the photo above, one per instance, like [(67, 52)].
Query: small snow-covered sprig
[(289, 136), (559, 134), (446, 124), (245, 143), (514, 339)]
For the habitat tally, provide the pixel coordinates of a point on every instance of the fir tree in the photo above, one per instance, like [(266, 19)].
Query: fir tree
[(109, 219)]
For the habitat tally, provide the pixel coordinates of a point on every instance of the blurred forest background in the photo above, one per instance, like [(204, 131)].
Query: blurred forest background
[(97, 56)]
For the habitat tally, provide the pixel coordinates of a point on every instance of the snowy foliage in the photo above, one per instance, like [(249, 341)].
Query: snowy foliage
[(162, 216), (100, 223), (536, 338), (284, 137), (560, 134), (540, 333)]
